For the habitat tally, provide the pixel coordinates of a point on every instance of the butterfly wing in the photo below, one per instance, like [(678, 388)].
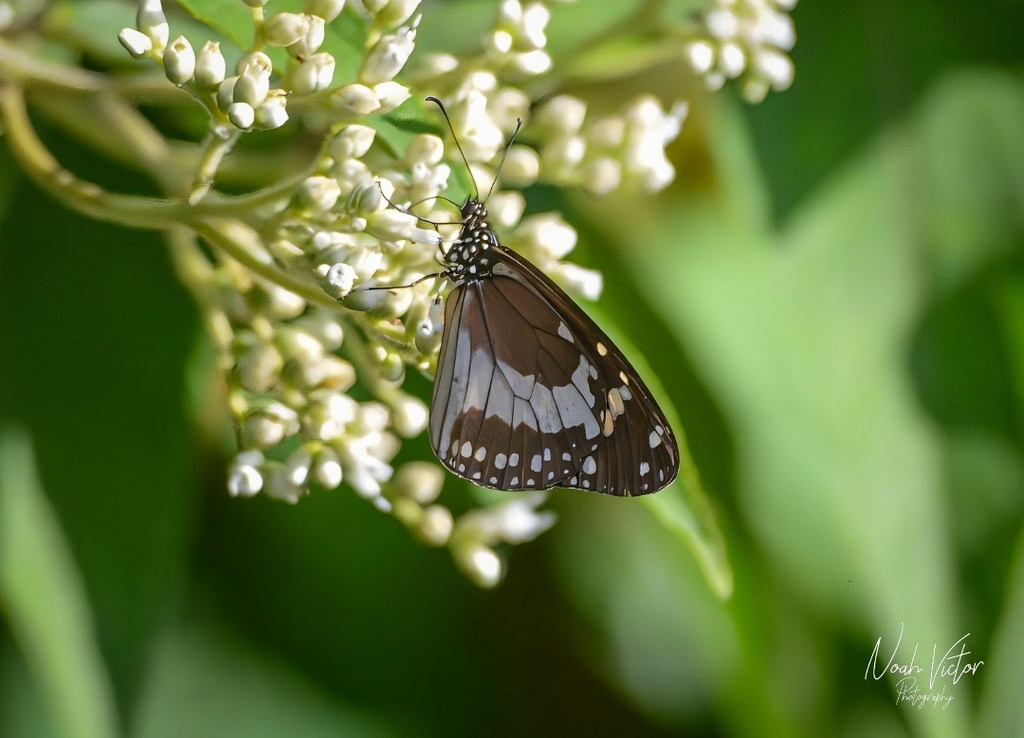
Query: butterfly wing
[(531, 394)]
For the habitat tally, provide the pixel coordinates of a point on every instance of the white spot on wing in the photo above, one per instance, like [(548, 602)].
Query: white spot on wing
[(644, 467), (535, 463), (513, 460), (602, 349), (499, 461), (589, 465), (545, 409), (654, 439), (615, 403), (467, 449), (564, 332), (481, 454)]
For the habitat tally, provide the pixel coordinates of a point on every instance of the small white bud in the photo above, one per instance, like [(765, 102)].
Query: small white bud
[(311, 41), (244, 481), (135, 42), (284, 29), (533, 62), (425, 148), (482, 564), (320, 192), (390, 95), (179, 61), (701, 56), (521, 168), (775, 67), (586, 282), (210, 66), (327, 468), (299, 345), (338, 280), (259, 367), (241, 115), (755, 89), (420, 480), (549, 234), (602, 175), (354, 100), (435, 526), (410, 417), (731, 59), (298, 465), (314, 74), (506, 208), (253, 81), (395, 12), (563, 113), (281, 487), (150, 19), (326, 9), (722, 24), (391, 225), (352, 142), (388, 55), (262, 431), (273, 112), (226, 93)]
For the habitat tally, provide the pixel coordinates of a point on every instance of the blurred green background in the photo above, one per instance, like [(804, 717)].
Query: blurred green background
[(832, 294)]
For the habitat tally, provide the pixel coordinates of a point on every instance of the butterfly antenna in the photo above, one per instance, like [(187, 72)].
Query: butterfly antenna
[(438, 103), (512, 138)]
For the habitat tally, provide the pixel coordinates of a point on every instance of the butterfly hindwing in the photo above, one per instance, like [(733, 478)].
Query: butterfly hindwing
[(531, 394)]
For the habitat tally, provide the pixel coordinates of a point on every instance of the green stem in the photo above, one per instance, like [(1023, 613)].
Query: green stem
[(84, 197)]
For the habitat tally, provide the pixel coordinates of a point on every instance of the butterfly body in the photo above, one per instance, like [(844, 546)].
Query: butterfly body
[(530, 393)]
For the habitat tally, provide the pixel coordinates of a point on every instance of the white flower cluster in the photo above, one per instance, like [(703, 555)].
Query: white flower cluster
[(609, 152), (746, 40), (369, 216)]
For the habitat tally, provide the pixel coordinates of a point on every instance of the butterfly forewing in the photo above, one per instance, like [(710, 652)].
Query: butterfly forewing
[(529, 392)]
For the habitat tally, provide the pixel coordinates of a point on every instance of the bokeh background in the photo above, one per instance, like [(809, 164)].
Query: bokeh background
[(832, 296)]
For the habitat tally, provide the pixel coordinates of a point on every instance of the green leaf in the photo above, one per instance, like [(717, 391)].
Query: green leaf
[(231, 18), (1000, 710), (205, 682), (44, 600)]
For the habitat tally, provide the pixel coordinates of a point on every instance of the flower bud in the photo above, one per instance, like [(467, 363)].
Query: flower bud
[(420, 480), (327, 468), (326, 9), (388, 55), (210, 66), (244, 477), (354, 101), (150, 19), (395, 12), (284, 29), (336, 280), (390, 95), (311, 40), (314, 74), (352, 142), (273, 112), (253, 82), (135, 42), (435, 526), (179, 61), (241, 115)]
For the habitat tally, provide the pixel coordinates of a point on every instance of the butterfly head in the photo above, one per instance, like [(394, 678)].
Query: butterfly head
[(471, 255)]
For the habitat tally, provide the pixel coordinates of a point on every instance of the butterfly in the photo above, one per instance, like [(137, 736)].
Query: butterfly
[(529, 392)]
